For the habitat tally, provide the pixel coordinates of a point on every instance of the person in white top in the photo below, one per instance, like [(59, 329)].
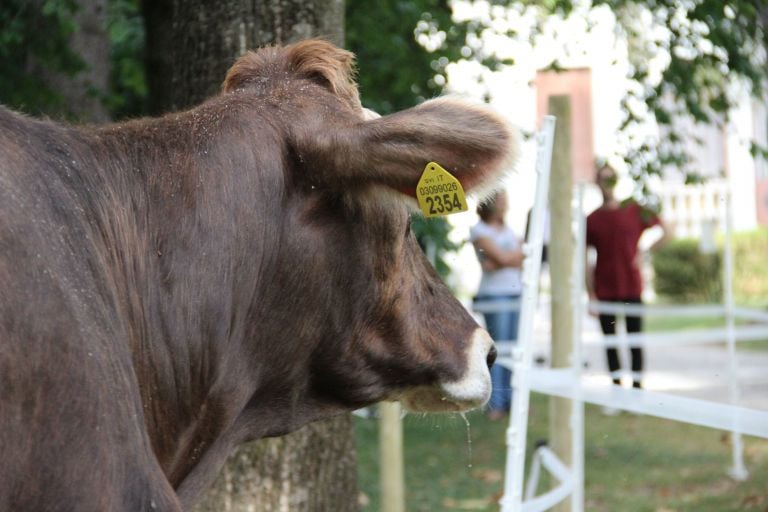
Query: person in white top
[(500, 254)]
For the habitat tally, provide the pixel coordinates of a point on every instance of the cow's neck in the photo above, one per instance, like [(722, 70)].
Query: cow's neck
[(180, 276), (199, 283)]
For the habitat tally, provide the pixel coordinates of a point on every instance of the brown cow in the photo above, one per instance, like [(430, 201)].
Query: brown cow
[(172, 287)]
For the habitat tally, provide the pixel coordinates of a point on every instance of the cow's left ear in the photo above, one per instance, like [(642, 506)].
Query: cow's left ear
[(471, 141), (313, 59)]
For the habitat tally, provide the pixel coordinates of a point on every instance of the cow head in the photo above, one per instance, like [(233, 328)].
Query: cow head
[(349, 283)]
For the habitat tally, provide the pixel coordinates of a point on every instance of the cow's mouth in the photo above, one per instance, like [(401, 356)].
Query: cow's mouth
[(435, 399), (471, 391)]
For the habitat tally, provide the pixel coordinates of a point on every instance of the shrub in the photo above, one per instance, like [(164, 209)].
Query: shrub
[(750, 269), (684, 274)]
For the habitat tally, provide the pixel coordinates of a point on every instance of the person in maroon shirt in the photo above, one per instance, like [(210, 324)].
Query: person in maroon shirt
[(614, 230)]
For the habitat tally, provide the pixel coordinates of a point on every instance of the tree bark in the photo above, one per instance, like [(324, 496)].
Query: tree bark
[(310, 470), (190, 46), (192, 43)]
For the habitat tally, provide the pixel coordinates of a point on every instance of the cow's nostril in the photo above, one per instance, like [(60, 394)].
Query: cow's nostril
[(491, 357)]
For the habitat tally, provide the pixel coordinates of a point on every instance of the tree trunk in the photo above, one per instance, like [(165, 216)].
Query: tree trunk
[(192, 43), (310, 470), (190, 46)]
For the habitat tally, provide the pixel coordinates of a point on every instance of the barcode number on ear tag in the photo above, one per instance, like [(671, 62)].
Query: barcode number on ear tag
[(439, 192)]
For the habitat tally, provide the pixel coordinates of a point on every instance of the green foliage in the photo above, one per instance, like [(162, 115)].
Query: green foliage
[(684, 274), (395, 71), (750, 269), (34, 38), (709, 43), (720, 41), (128, 87), (34, 41), (432, 235)]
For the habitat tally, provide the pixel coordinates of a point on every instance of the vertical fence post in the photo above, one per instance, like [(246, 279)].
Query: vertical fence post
[(561, 271), (738, 471), (523, 355), (577, 362), (391, 455)]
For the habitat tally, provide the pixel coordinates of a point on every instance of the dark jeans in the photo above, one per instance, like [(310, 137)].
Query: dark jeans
[(502, 326), (634, 324)]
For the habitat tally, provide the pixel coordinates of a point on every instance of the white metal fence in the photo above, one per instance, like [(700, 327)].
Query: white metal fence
[(570, 383)]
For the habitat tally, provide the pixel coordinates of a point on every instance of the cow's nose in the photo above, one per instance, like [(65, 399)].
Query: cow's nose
[(491, 357)]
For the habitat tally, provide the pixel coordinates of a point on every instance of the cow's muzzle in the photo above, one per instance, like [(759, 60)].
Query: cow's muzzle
[(472, 390)]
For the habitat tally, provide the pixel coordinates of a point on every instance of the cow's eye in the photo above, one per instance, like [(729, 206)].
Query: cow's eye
[(408, 228)]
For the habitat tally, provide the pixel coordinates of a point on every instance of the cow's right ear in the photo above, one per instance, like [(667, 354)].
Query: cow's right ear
[(471, 141)]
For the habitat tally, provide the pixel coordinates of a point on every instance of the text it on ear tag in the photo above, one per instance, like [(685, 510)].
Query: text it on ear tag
[(439, 192)]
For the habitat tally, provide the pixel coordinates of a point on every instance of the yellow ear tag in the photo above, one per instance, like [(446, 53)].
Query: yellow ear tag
[(439, 192)]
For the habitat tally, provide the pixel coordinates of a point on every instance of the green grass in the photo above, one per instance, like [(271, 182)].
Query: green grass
[(761, 345), (633, 464), (679, 323)]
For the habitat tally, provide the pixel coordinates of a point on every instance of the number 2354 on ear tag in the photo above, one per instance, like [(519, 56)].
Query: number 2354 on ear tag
[(439, 192)]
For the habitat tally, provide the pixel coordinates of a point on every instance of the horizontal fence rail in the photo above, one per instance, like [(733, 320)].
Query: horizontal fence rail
[(653, 403)]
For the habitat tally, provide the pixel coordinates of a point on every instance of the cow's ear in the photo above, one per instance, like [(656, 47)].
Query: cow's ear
[(326, 65), (471, 141), (313, 59)]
